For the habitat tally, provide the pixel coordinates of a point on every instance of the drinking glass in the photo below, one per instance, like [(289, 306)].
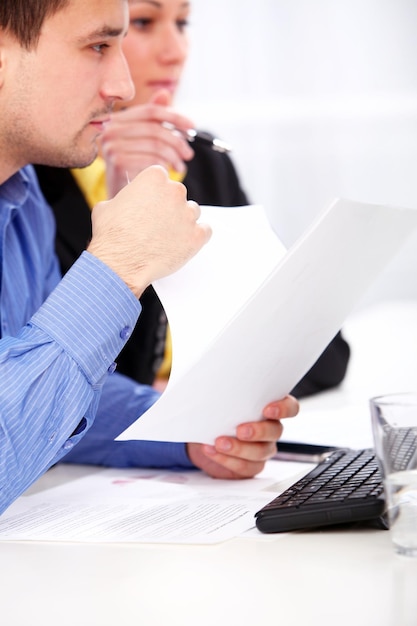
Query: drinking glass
[(394, 425)]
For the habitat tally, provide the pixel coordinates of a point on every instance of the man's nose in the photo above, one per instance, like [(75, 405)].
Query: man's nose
[(118, 84)]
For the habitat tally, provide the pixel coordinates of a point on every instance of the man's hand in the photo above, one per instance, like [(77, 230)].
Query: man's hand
[(140, 136), (148, 230), (245, 455)]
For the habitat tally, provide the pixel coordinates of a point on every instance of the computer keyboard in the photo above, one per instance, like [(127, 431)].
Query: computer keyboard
[(344, 487)]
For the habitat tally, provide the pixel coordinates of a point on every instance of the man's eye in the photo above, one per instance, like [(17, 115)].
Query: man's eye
[(100, 47)]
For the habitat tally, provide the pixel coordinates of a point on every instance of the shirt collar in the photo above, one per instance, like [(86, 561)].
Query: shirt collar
[(14, 191)]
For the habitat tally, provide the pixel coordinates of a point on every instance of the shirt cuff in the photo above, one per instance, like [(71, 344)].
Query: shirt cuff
[(91, 314)]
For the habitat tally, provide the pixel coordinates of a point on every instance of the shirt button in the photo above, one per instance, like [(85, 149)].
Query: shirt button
[(112, 368), (68, 445), (52, 437), (125, 333)]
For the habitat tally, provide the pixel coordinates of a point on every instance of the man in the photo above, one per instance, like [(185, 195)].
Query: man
[(61, 71)]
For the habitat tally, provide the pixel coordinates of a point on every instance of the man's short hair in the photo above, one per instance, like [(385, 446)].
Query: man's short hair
[(24, 18)]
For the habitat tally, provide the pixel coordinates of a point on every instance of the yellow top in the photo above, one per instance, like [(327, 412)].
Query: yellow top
[(92, 182)]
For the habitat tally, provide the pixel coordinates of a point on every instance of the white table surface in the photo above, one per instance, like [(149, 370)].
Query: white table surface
[(343, 577), (332, 577)]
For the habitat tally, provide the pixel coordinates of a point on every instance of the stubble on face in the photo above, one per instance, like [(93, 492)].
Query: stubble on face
[(30, 142), (79, 152), (30, 137)]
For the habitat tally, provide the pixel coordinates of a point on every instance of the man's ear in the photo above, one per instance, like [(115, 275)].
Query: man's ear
[(2, 57), (6, 45)]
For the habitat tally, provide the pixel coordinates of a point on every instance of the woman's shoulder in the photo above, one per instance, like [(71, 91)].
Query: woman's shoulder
[(212, 177)]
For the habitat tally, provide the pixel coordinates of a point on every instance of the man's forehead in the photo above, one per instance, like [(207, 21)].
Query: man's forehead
[(88, 20)]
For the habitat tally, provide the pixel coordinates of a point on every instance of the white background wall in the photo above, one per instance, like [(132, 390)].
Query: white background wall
[(318, 99)]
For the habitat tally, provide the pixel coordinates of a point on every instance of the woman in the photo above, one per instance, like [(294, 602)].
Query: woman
[(141, 134)]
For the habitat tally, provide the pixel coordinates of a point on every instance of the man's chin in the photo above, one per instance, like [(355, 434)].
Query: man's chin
[(77, 159), (87, 156)]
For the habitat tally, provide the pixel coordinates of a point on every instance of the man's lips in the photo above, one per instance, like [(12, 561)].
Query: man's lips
[(100, 123)]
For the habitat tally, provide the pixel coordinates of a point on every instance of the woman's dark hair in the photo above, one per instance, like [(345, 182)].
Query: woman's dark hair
[(24, 18)]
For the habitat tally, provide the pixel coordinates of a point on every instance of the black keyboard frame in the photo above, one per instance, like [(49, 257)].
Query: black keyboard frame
[(284, 513)]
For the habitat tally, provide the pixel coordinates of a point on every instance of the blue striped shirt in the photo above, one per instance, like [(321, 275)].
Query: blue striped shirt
[(59, 339)]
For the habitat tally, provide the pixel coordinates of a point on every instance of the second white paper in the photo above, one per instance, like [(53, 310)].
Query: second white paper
[(230, 360)]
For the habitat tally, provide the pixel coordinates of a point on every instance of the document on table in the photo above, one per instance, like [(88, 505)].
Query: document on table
[(249, 319), (151, 506)]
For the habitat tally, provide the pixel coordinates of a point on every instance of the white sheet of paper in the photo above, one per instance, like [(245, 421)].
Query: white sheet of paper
[(228, 270), (152, 506), (227, 367)]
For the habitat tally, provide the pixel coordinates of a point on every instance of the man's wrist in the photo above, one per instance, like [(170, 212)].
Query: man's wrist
[(129, 276)]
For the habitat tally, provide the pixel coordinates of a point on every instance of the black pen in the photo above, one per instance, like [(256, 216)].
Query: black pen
[(192, 135), (302, 452), (205, 138)]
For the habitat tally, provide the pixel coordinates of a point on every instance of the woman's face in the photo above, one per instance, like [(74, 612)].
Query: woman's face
[(156, 45)]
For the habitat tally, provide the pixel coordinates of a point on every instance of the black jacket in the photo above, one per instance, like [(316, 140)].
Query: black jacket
[(211, 180)]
